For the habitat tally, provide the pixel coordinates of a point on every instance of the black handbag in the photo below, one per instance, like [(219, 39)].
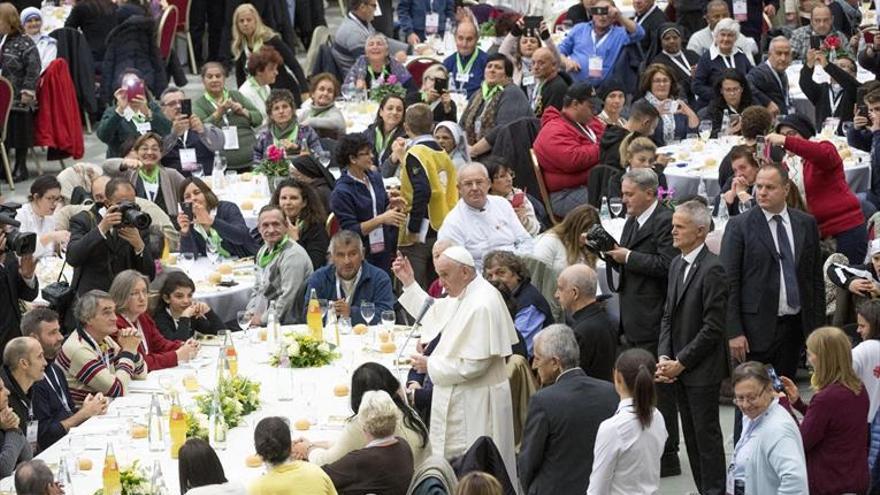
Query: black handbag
[(59, 294)]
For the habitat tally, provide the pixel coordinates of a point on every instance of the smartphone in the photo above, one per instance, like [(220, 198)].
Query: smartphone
[(441, 85), (602, 10), (187, 209), (518, 199), (759, 146), (815, 42), (862, 110), (532, 22), (869, 37), (777, 383), (186, 107), (734, 119), (134, 87)]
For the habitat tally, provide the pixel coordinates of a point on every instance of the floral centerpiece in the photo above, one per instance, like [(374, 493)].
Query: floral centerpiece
[(665, 196), (302, 351), (833, 47), (274, 166), (197, 425), (387, 86), (134, 481), (239, 397)]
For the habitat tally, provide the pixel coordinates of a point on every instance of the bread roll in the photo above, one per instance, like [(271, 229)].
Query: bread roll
[(302, 424), (139, 431), (387, 347), (253, 461), (84, 464), (360, 329), (340, 390)]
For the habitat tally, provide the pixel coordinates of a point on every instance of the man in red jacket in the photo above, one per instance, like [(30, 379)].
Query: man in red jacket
[(568, 146)]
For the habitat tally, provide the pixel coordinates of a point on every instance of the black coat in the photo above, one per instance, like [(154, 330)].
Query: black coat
[(73, 48), (650, 24), (682, 78), (512, 143), (596, 336), (95, 24), (709, 71), (556, 454), (295, 83), (819, 94), (765, 87), (19, 401), (692, 329), (752, 269), (12, 289), (643, 278), (132, 44), (186, 327)]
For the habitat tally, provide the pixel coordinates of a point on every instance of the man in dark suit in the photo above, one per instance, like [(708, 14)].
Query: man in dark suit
[(17, 282), (693, 354), (557, 447), (650, 17), (100, 248), (776, 293), (768, 81), (596, 335), (642, 259)]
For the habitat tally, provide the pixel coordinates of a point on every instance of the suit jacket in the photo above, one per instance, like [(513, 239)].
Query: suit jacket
[(596, 336), (708, 72), (819, 93), (692, 329), (557, 447), (765, 87), (752, 269), (642, 285), (12, 289)]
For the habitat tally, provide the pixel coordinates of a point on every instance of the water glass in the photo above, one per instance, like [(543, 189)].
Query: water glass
[(388, 319), (186, 261), (368, 311), (231, 177), (616, 206), (324, 158), (349, 91), (213, 253), (344, 324), (198, 171), (705, 129), (244, 319)]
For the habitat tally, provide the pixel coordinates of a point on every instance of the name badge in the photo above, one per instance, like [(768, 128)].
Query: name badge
[(432, 23), (740, 10), (595, 67), (230, 137), (462, 77), (528, 80), (188, 160), (143, 127), (377, 240), (32, 430)]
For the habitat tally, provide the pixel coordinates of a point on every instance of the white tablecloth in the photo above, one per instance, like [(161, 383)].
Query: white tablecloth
[(224, 301), (330, 412)]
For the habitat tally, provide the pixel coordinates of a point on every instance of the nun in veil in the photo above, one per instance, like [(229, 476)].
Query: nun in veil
[(668, 48)]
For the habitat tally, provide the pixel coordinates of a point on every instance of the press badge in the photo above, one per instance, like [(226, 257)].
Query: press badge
[(432, 23), (143, 127), (528, 80), (230, 136), (740, 10), (377, 241), (595, 66), (462, 77), (188, 159), (32, 430)]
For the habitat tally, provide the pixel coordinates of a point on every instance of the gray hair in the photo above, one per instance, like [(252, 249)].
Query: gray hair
[(345, 238), (378, 37), (467, 167), (778, 39), (378, 413), (581, 277), (33, 478), (644, 178), (469, 21), (171, 89), (726, 24), (716, 2), (16, 350), (120, 289), (30, 321), (87, 305), (558, 341), (698, 213)]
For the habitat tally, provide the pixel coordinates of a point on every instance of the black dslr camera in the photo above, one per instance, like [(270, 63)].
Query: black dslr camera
[(132, 216), (598, 240), (20, 243)]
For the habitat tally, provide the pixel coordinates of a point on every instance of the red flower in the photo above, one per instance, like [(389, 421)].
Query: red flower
[(832, 42), (494, 14), (274, 153)]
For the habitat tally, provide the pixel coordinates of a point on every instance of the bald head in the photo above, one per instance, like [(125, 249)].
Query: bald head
[(544, 63), (820, 19), (576, 287)]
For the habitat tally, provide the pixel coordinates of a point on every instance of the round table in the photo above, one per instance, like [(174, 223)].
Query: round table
[(312, 390), (226, 302)]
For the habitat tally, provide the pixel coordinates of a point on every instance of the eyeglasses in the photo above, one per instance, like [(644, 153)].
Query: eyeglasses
[(750, 399), (732, 90), (471, 184)]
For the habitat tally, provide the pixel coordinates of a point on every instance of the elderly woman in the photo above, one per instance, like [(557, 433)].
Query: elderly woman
[(178, 316), (361, 204), (384, 131), (561, 245), (211, 222), (660, 89), (150, 179), (385, 464), (723, 54), (834, 430), (435, 92), (283, 131), (273, 444), (230, 111), (375, 67), (36, 216), (305, 218), (613, 97), (667, 49), (520, 44), (732, 96), (498, 103), (248, 35), (368, 378), (262, 66), (77, 180), (132, 118), (451, 138), (32, 20), (738, 193), (502, 185), (769, 456), (130, 292), (320, 111), (817, 170)]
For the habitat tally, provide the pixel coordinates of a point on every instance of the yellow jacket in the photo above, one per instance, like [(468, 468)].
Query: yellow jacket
[(293, 478), (441, 177)]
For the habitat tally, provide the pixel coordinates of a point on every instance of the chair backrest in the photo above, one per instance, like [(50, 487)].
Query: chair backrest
[(6, 99), (183, 8), (167, 31), (542, 187), (417, 68), (559, 20), (331, 225)]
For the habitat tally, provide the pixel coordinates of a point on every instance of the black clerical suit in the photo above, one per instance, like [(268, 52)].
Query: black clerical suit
[(596, 336), (692, 332), (13, 288)]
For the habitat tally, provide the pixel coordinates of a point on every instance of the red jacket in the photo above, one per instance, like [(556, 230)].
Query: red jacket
[(565, 153), (829, 197), (161, 353), (58, 121)]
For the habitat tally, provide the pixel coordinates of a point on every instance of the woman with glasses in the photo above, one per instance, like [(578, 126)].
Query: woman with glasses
[(834, 429), (732, 95), (660, 89), (502, 185), (769, 456), (36, 216)]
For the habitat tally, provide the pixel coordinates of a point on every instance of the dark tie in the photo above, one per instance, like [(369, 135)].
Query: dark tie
[(681, 278), (630, 229), (789, 273)]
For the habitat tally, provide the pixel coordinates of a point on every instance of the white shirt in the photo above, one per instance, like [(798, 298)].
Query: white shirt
[(715, 53), (690, 258), (784, 308), (31, 222), (641, 219), (703, 39), (626, 457), (250, 92), (495, 226), (866, 363)]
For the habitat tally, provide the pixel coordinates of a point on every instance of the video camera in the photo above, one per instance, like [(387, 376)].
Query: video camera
[(20, 243)]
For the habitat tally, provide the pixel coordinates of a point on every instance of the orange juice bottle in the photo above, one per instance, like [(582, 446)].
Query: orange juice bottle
[(177, 426), (314, 320), (111, 480)]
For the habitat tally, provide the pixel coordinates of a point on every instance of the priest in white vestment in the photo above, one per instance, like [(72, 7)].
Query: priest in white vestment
[(471, 395)]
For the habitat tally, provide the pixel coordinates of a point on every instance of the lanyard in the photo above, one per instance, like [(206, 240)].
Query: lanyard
[(597, 44), (59, 392), (213, 103), (681, 63), (29, 406), (290, 136), (586, 130), (348, 297), (360, 23), (381, 145), (104, 357), (779, 81), (835, 102), (642, 18), (183, 139), (467, 68), (536, 92)]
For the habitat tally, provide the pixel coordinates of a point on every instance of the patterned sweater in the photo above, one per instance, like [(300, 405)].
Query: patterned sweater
[(92, 368)]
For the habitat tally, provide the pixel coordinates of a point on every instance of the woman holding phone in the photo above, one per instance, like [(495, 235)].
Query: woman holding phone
[(502, 185), (732, 96), (205, 220), (660, 89), (136, 113)]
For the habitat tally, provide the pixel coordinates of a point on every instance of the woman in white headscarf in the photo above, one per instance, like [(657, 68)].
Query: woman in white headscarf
[(32, 21), (452, 139)]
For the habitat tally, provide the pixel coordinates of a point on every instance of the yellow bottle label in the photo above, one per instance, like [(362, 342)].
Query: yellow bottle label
[(177, 427)]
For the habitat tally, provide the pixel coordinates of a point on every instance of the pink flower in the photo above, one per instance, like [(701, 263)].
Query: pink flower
[(832, 42), (274, 153), (392, 79)]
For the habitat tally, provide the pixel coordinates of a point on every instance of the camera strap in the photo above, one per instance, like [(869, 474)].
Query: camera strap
[(610, 266)]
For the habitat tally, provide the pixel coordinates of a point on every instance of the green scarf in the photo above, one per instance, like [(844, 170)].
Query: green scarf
[(152, 178), (489, 92), (261, 91), (212, 237), (284, 134), (382, 141), (373, 75), (212, 101), (266, 256)]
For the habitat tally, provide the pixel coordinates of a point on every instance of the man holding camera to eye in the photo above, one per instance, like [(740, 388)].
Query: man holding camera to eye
[(17, 282), (103, 241)]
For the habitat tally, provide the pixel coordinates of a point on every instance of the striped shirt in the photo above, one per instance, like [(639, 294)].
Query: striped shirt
[(91, 368)]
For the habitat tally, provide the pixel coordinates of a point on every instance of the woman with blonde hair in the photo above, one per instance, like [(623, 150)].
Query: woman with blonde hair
[(561, 246), (635, 152), (834, 429), (249, 34), (435, 92)]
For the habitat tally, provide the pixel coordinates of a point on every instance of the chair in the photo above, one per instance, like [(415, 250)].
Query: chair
[(320, 36), (542, 188), (331, 225), (5, 106), (165, 35), (417, 68), (183, 9), (559, 20)]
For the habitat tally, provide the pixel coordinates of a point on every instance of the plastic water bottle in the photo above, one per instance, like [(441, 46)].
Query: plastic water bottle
[(156, 432), (701, 190), (604, 212), (218, 170), (272, 323), (723, 216), (725, 122)]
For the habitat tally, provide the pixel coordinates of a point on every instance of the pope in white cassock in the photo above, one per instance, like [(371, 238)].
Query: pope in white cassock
[(471, 395)]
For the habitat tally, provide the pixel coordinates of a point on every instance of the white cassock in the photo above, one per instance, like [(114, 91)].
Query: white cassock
[(471, 395)]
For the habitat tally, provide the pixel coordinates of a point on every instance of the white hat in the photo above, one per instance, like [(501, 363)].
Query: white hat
[(30, 12), (460, 255), (874, 247)]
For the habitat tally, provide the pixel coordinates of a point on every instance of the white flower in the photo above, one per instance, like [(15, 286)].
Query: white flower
[(324, 347), (293, 349)]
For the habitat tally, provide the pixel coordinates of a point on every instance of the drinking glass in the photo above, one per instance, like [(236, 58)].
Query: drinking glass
[(616, 206), (349, 91), (213, 254), (244, 319), (324, 158), (198, 171), (705, 129), (388, 318), (368, 311), (186, 261)]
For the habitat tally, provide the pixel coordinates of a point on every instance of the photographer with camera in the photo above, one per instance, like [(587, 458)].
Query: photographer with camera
[(108, 239), (17, 279)]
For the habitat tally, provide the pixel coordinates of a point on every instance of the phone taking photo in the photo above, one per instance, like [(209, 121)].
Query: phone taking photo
[(441, 85), (759, 146), (532, 22), (134, 87), (774, 378), (816, 41), (187, 209), (186, 108)]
